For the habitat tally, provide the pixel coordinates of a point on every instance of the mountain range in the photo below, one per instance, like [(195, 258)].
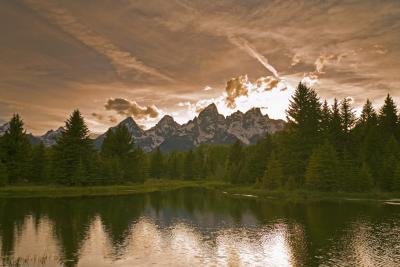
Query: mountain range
[(209, 127)]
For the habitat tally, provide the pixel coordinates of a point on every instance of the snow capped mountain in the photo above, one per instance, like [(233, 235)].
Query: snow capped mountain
[(209, 127), (50, 138)]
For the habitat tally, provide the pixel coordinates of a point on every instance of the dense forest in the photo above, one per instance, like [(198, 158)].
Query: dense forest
[(322, 148)]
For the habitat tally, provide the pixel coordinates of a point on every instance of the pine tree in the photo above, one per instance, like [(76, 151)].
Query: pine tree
[(188, 166), (304, 127), (368, 118), (348, 117), (273, 177), (39, 164), (73, 150), (322, 169), (390, 156), (348, 171), (335, 128), (388, 118), (16, 151), (3, 174), (365, 181), (255, 163), (156, 164), (326, 115), (234, 162), (120, 145), (173, 165)]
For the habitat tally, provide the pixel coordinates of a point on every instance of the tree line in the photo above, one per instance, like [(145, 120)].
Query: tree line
[(323, 148)]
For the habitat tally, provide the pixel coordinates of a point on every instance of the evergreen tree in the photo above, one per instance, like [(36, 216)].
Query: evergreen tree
[(173, 165), (118, 143), (3, 174), (365, 181), (326, 115), (156, 164), (273, 177), (335, 128), (304, 117), (39, 164), (322, 169), (16, 151), (348, 117), (120, 146), (73, 151), (348, 172), (391, 154), (388, 119), (255, 165), (368, 118), (235, 162), (188, 166)]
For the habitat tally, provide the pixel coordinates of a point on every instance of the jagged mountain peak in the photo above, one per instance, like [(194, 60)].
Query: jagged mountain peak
[(167, 120), (254, 111), (128, 121), (209, 110)]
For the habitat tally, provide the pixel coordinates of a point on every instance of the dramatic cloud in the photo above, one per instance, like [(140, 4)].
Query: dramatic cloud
[(236, 87), (243, 44), (131, 108), (74, 54), (123, 61)]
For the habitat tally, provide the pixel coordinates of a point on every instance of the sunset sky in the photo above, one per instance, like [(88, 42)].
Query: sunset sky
[(118, 58)]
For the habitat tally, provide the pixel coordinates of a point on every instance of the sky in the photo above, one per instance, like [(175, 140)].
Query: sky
[(117, 58)]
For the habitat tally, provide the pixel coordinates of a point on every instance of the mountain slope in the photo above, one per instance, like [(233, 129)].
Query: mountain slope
[(209, 127)]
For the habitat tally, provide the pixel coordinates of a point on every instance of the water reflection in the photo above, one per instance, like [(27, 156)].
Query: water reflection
[(196, 228)]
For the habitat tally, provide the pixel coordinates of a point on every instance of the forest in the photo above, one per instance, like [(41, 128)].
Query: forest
[(322, 148)]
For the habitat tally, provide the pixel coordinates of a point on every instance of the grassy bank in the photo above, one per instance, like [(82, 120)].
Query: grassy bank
[(111, 190), (166, 185)]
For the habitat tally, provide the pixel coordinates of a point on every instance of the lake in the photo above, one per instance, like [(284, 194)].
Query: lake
[(192, 227)]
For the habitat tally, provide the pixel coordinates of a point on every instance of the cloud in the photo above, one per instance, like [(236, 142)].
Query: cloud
[(131, 108), (207, 88), (112, 119), (123, 61), (246, 46), (98, 116), (236, 87)]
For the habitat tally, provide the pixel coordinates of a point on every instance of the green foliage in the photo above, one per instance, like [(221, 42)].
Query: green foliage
[(118, 143), (364, 182), (255, 158), (39, 171), (156, 164), (322, 169), (304, 127), (119, 148), (234, 162), (322, 148), (188, 166), (273, 178), (16, 151), (388, 118), (3, 174), (73, 152)]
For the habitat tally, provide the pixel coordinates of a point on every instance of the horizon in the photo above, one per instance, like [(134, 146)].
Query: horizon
[(181, 56)]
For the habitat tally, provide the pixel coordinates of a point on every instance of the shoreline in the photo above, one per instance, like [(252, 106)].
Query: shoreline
[(56, 191)]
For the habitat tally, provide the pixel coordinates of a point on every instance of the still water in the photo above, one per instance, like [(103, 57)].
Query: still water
[(194, 227)]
